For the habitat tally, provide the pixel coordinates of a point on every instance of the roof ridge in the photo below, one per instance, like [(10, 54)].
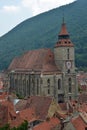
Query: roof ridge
[(83, 115)]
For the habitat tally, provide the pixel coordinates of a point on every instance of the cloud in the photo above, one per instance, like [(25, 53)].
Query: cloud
[(11, 9), (39, 6)]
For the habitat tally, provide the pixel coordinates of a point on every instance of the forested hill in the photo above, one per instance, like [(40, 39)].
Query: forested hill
[(42, 31)]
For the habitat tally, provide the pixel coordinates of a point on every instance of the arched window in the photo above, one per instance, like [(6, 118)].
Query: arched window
[(48, 85), (59, 83), (70, 85)]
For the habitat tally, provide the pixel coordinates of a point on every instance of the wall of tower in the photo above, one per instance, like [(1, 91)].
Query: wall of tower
[(69, 82), (61, 56)]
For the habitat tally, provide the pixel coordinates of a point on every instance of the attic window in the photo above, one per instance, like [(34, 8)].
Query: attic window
[(69, 42), (65, 42), (59, 42)]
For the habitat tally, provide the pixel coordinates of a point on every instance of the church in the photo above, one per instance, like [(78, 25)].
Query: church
[(44, 72)]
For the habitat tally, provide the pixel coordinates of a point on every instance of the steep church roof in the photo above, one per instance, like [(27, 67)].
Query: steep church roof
[(63, 30), (38, 60), (64, 38)]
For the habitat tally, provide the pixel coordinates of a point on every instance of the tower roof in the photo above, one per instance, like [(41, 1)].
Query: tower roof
[(63, 30), (63, 37)]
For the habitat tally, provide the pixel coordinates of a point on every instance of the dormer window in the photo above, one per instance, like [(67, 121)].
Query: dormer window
[(70, 85)]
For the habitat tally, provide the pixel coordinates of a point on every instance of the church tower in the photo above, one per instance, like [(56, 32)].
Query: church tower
[(65, 59)]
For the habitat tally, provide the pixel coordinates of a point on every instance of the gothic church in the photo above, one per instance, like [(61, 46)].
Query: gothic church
[(46, 73)]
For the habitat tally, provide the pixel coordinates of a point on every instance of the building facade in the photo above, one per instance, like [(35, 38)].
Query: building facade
[(43, 72)]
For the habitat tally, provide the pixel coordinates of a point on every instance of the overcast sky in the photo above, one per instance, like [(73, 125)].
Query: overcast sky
[(13, 12)]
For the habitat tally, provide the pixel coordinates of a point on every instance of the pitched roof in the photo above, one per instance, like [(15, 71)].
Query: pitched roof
[(82, 107), (78, 123), (16, 122), (64, 40), (20, 105), (7, 112), (39, 60), (41, 105), (63, 30), (47, 125), (28, 114), (3, 96), (82, 98)]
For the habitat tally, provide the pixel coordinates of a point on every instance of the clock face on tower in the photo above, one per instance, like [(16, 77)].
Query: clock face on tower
[(68, 64)]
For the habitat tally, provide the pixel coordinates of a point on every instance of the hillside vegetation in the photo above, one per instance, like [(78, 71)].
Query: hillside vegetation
[(42, 31)]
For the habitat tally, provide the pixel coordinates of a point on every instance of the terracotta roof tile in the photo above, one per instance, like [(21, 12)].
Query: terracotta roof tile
[(79, 123), (3, 96), (36, 103), (40, 104), (41, 60), (47, 125), (7, 112), (49, 64), (82, 98), (83, 107), (64, 40), (63, 30), (16, 122), (28, 114)]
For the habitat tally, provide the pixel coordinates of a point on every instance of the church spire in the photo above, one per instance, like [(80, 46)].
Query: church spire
[(63, 32), (63, 37)]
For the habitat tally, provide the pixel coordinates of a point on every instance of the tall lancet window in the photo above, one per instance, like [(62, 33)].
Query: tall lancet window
[(68, 51), (59, 83), (37, 86), (70, 85), (48, 85)]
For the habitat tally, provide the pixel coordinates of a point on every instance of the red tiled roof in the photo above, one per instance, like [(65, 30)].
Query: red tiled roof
[(28, 114), (64, 40), (82, 98), (47, 125), (40, 104), (3, 96), (8, 115), (36, 103), (82, 107), (1, 87), (78, 123), (7, 112), (63, 30), (16, 122), (41, 60)]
